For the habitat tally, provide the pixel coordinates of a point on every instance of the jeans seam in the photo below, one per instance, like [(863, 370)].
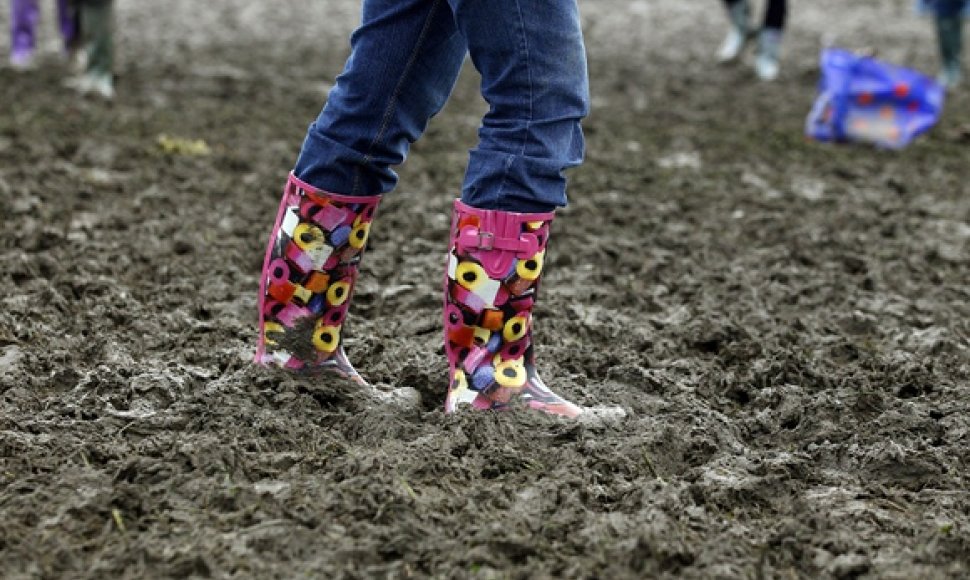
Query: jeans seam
[(392, 103), (524, 47)]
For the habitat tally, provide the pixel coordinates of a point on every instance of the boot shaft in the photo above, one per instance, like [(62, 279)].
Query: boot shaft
[(309, 273), (949, 32)]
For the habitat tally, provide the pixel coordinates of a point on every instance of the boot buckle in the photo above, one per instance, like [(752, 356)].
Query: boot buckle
[(486, 240), (524, 246)]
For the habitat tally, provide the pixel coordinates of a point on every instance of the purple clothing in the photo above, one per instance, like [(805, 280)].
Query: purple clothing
[(24, 16)]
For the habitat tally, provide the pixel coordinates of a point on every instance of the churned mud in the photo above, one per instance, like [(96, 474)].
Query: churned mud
[(786, 323)]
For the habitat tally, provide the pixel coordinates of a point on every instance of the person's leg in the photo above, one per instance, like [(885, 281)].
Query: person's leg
[(67, 20), (776, 14), (96, 39), (532, 60), (767, 63), (738, 32), (404, 62), (949, 33), (97, 23), (23, 25)]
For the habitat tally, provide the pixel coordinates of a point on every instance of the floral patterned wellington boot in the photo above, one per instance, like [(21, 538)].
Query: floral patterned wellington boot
[(494, 264), (308, 278)]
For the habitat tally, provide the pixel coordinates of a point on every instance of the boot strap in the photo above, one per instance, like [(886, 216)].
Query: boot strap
[(525, 246)]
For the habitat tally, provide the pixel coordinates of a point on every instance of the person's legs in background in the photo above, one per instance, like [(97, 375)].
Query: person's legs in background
[(766, 63), (24, 15), (949, 33)]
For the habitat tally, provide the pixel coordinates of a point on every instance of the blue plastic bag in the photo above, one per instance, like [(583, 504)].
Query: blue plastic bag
[(862, 99)]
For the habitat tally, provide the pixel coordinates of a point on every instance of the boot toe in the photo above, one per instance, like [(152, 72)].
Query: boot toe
[(767, 69), (732, 46)]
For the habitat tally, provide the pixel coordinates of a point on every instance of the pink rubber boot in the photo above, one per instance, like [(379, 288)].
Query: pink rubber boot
[(308, 278), (494, 264)]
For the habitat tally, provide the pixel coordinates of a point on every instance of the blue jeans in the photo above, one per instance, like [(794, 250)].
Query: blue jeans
[(776, 12), (951, 8), (945, 8), (404, 62)]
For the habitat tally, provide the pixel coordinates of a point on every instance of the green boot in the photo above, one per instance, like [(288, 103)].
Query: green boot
[(96, 29), (949, 32), (738, 34)]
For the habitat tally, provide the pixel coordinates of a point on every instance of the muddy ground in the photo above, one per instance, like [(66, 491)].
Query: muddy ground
[(787, 323)]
